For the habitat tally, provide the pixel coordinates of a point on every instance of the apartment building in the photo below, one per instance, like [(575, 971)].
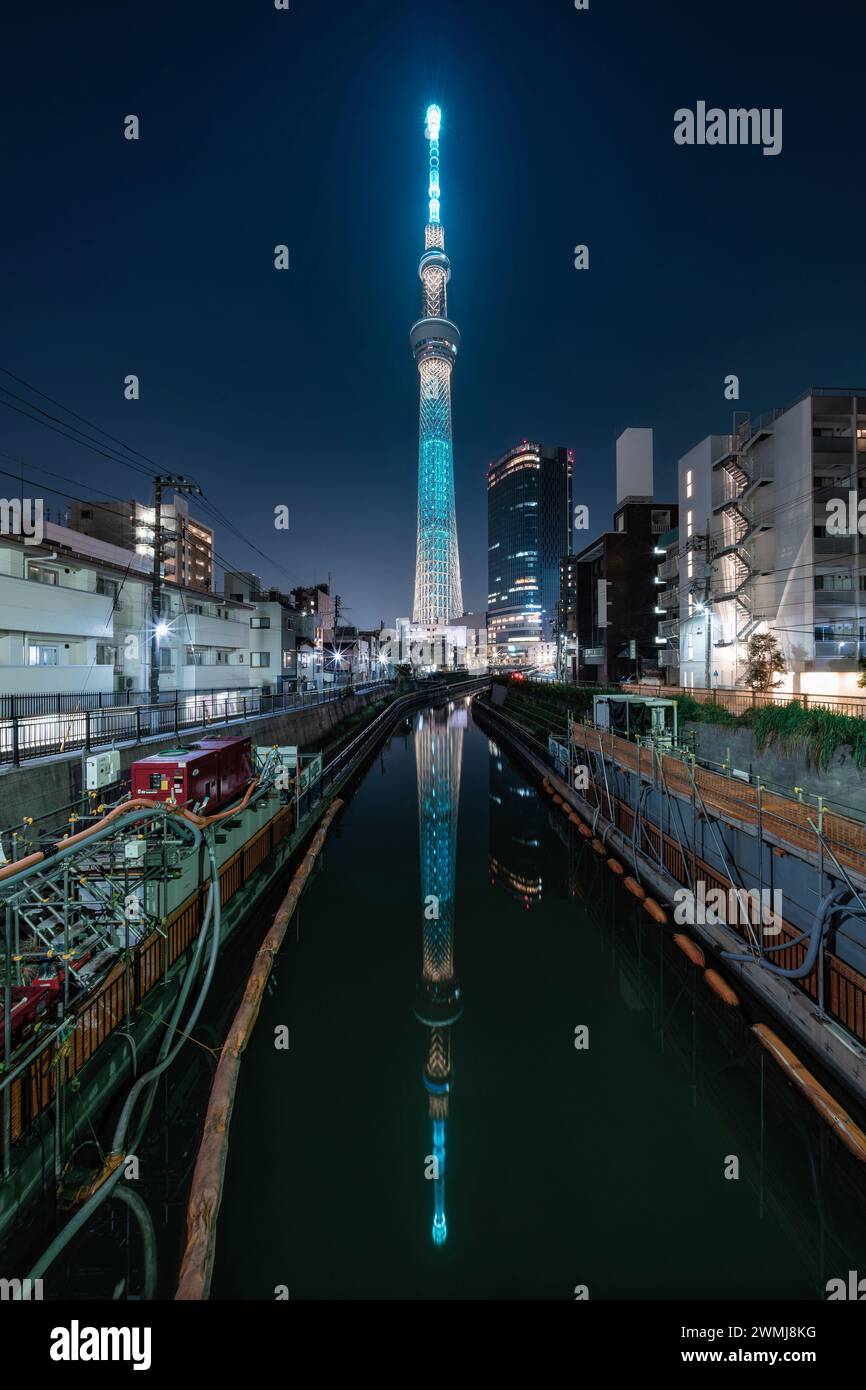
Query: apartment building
[(275, 629), (766, 550), (613, 582), (667, 603), (187, 544), (76, 617)]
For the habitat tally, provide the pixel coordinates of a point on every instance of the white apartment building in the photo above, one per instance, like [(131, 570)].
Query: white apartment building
[(760, 508), (75, 617), (274, 629)]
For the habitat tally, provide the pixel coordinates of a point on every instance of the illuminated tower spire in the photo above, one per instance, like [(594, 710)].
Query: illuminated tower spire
[(438, 756), (435, 342)]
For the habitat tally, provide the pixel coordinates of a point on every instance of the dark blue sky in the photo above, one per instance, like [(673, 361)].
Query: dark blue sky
[(306, 127)]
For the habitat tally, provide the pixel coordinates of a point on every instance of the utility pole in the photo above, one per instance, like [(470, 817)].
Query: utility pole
[(160, 483)]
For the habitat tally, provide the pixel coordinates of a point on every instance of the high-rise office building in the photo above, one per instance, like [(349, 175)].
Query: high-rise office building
[(528, 531)]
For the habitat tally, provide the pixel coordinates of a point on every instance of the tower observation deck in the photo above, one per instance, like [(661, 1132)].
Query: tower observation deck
[(435, 341)]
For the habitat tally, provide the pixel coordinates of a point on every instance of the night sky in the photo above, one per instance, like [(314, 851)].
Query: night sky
[(261, 127)]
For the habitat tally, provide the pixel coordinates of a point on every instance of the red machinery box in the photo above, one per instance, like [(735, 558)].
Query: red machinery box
[(215, 769)]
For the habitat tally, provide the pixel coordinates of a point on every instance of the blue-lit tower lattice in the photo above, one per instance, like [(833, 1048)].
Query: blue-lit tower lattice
[(435, 342), (438, 755)]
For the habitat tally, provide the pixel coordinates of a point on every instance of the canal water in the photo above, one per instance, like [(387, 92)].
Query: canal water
[(433, 1131), (502, 1080)]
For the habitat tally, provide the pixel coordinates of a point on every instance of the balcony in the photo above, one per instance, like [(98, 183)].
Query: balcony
[(844, 649), (669, 598), (218, 676), (53, 680), (51, 610), (834, 598), (835, 545), (669, 628), (199, 630), (670, 568)]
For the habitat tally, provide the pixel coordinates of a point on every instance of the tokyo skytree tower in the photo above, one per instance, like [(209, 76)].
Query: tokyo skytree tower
[(435, 341)]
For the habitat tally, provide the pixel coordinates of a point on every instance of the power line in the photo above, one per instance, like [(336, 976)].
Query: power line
[(57, 426)]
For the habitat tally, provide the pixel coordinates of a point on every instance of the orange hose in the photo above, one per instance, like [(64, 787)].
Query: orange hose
[(139, 803)]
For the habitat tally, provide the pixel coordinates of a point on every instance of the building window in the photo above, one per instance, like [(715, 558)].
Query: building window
[(688, 482), (620, 522), (836, 581), (690, 648), (260, 659), (260, 622), (660, 522), (104, 654), (689, 516), (40, 655), (41, 573)]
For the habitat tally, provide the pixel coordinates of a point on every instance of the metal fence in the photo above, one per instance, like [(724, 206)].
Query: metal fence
[(37, 735), (835, 985), (739, 701)]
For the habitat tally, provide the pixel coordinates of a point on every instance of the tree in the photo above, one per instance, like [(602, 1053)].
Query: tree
[(766, 662)]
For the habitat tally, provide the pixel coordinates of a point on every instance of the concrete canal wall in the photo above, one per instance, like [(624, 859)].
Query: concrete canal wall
[(41, 785)]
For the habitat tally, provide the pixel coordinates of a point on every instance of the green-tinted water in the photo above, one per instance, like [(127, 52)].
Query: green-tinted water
[(558, 1166), (454, 937)]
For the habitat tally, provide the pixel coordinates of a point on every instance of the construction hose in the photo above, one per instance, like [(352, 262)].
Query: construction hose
[(114, 1164)]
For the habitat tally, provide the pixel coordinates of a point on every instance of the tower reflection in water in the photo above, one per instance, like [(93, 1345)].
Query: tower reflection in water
[(438, 756)]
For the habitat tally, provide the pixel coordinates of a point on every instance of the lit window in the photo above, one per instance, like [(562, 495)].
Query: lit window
[(689, 483)]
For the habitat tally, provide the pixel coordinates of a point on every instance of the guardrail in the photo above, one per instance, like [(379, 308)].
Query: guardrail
[(32, 1080), (25, 737), (837, 987), (739, 701)]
